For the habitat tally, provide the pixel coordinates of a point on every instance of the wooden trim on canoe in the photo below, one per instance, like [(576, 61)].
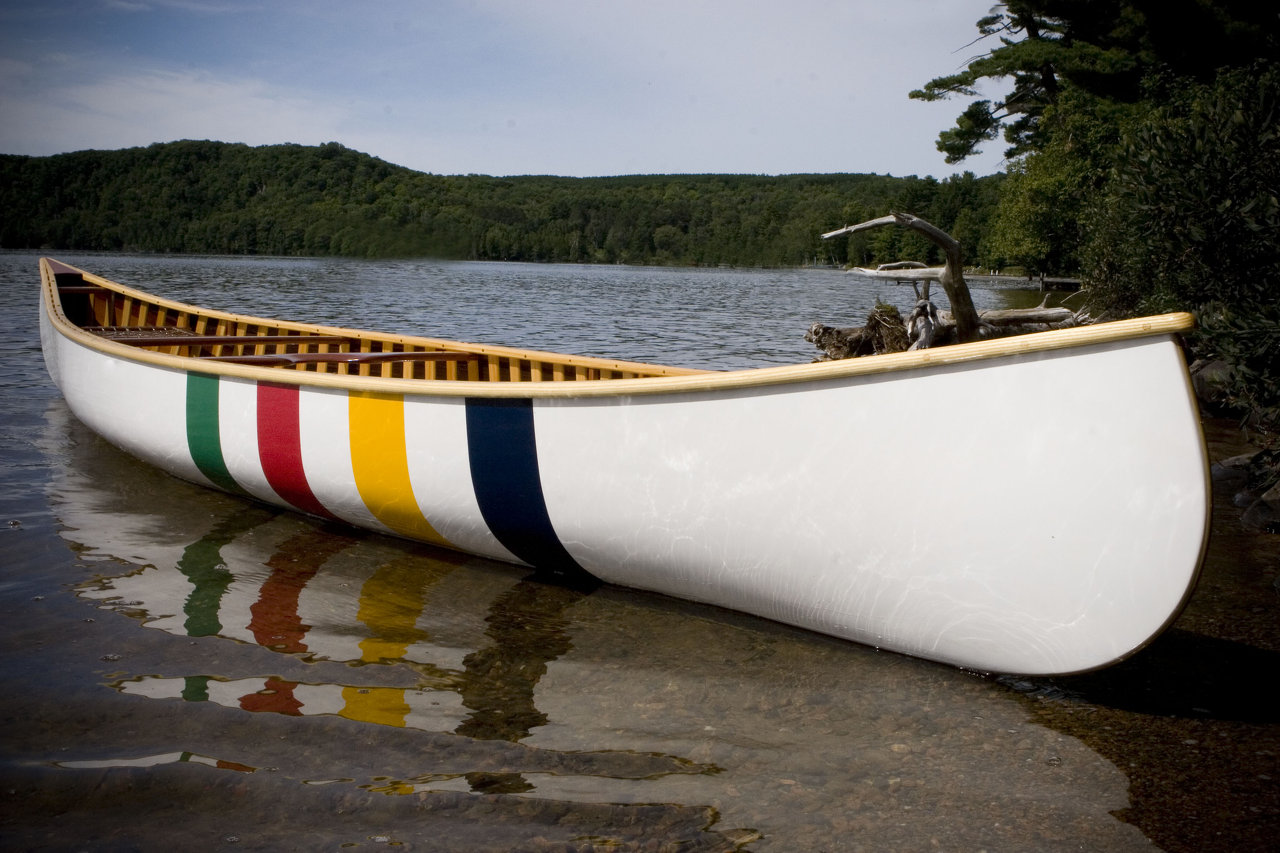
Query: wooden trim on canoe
[(502, 380)]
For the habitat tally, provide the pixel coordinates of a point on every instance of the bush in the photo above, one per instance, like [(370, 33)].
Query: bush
[(1190, 220), (1249, 345)]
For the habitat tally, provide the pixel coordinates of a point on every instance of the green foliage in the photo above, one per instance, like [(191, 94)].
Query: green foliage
[(1045, 200), (1041, 48), (1028, 226), (210, 197), (1248, 343), (1191, 221), (1103, 47), (1192, 214)]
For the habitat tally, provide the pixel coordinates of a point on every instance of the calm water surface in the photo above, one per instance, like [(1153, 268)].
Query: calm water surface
[(182, 667)]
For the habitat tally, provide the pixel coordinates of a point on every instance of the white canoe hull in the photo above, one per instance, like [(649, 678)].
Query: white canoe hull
[(1040, 512)]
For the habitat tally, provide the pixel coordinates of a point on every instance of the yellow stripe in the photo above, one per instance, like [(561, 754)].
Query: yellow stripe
[(384, 706), (391, 601), (380, 462)]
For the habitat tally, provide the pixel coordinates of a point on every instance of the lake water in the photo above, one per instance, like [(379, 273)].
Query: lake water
[(184, 668)]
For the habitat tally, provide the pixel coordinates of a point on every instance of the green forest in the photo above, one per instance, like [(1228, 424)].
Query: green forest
[(1140, 159), (213, 197)]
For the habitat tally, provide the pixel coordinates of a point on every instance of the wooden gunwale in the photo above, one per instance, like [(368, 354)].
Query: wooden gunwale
[(504, 381)]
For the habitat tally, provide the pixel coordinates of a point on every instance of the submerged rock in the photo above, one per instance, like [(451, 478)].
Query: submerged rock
[(1254, 481), (1264, 513)]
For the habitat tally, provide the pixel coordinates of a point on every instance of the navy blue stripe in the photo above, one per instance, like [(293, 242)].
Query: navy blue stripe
[(504, 473)]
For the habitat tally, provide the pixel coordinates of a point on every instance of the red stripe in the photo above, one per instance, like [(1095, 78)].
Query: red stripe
[(276, 695), (280, 447), (274, 621)]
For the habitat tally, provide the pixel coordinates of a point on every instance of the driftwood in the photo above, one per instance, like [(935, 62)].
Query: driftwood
[(884, 332), (951, 276), (940, 330), (922, 324), (926, 326)]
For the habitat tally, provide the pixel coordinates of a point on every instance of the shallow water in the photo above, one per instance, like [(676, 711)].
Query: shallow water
[(181, 666)]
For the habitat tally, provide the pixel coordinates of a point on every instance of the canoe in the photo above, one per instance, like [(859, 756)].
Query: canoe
[(1035, 505)]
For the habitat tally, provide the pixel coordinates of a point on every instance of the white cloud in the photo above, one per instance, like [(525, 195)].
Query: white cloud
[(812, 85), (159, 106), (509, 87)]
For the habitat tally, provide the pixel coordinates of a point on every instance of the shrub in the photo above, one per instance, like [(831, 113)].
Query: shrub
[(1190, 220)]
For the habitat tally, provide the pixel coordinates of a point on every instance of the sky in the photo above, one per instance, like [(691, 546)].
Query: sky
[(500, 87)]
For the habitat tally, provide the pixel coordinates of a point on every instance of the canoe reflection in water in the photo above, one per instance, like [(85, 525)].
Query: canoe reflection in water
[(380, 682), (299, 602)]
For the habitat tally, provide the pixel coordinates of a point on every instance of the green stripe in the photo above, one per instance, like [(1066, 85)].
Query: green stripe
[(202, 564), (195, 688), (202, 431)]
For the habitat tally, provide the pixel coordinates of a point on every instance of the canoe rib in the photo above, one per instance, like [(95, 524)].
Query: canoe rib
[(702, 485)]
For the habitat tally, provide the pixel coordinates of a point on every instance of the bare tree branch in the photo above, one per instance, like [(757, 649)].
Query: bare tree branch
[(951, 276)]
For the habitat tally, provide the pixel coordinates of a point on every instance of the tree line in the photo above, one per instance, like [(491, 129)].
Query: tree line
[(214, 197)]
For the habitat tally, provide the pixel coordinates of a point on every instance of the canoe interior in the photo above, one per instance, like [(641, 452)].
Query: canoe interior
[(121, 314)]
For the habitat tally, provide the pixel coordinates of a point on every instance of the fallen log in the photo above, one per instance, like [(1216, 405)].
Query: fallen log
[(1030, 316)]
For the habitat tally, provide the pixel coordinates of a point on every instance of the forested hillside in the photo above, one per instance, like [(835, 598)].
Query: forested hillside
[(213, 197)]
